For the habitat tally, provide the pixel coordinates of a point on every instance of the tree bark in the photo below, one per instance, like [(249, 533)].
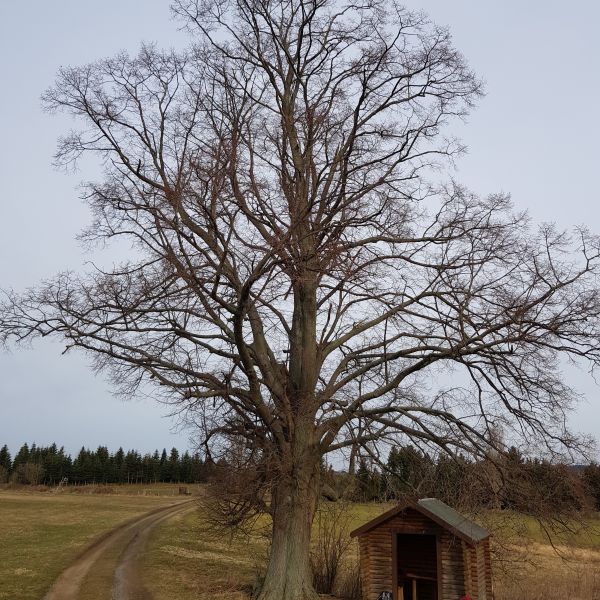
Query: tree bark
[(289, 575)]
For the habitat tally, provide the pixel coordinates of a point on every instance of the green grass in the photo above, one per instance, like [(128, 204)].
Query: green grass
[(514, 528), (41, 533), (183, 561), (112, 489), (186, 561)]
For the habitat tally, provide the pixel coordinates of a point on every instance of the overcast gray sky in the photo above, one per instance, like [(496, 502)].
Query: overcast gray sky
[(535, 135)]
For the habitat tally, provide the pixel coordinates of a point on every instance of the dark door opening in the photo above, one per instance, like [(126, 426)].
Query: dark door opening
[(417, 567)]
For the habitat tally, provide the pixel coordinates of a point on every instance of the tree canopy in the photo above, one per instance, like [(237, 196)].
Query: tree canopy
[(301, 270)]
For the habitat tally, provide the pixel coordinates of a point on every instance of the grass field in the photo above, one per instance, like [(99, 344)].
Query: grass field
[(188, 562), (545, 563), (542, 574), (193, 564), (185, 562), (42, 532)]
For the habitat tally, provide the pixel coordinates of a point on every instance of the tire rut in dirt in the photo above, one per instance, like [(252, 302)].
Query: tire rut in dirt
[(128, 583), (133, 535)]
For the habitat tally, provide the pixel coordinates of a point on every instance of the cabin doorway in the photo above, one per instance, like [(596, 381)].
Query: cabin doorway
[(416, 567)]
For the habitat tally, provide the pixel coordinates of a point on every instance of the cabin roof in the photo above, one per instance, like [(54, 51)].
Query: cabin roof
[(437, 511)]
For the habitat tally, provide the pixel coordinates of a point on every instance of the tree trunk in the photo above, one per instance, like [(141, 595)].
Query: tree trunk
[(289, 575)]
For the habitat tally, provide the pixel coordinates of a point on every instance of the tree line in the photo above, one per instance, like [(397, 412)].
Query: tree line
[(511, 481), (50, 465)]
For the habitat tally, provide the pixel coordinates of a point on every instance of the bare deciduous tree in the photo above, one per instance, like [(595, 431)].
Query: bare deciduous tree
[(299, 279)]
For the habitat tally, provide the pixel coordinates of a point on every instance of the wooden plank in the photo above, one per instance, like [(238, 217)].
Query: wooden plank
[(394, 540), (461, 567)]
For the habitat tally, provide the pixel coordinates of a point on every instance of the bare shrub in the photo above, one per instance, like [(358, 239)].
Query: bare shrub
[(102, 489), (259, 579), (238, 491), (349, 583), (332, 543), (28, 474), (99, 488)]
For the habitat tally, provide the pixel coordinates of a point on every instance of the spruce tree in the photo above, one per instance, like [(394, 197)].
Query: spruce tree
[(22, 456), (119, 461), (174, 466), (165, 473), (5, 459)]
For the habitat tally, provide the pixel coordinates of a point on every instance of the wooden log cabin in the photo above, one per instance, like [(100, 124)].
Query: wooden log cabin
[(424, 550)]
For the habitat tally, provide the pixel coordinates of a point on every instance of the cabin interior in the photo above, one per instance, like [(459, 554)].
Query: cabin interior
[(416, 566)]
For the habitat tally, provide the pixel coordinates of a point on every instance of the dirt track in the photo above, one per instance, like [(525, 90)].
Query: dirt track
[(131, 535)]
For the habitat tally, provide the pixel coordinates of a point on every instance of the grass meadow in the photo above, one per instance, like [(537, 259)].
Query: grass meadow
[(186, 561), (42, 532)]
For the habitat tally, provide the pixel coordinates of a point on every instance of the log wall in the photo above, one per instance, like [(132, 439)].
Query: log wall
[(462, 568), (453, 567)]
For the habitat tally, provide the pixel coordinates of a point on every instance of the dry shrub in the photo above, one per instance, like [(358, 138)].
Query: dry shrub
[(28, 473), (13, 485), (104, 489), (331, 544), (93, 489), (238, 492), (577, 587), (349, 584), (259, 579)]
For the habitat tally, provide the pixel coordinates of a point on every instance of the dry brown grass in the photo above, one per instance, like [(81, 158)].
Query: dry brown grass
[(41, 533), (185, 561), (189, 564), (546, 573)]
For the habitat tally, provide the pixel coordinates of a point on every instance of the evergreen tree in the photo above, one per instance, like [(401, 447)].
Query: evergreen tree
[(49, 465), (185, 472), (133, 467), (369, 482), (119, 466), (101, 464), (147, 467), (34, 454), (5, 459), (174, 466), (449, 479), (408, 469), (22, 456), (54, 463), (66, 464), (82, 467), (165, 473), (155, 466), (591, 479)]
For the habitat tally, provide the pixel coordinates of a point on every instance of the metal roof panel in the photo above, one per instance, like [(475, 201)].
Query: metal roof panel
[(447, 515), (437, 511)]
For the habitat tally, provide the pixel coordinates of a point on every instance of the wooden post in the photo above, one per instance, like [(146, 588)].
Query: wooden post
[(414, 589), (396, 590)]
